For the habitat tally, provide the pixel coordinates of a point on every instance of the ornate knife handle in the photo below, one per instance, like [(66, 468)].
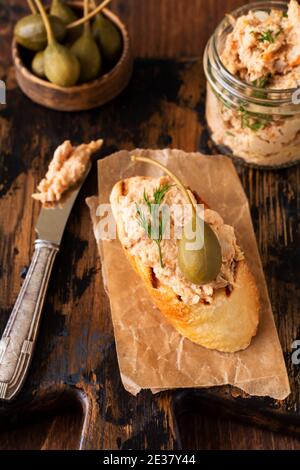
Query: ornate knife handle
[(19, 337)]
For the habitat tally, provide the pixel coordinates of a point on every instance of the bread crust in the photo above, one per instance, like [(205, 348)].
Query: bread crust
[(227, 324)]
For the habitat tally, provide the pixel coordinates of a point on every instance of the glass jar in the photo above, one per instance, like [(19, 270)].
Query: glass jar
[(261, 126)]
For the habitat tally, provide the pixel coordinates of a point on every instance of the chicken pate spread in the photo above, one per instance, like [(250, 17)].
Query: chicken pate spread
[(66, 170), (139, 245), (263, 50)]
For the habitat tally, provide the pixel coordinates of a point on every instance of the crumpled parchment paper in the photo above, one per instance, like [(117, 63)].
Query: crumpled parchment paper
[(151, 354)]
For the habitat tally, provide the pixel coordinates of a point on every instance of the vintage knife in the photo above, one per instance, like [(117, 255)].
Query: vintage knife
[(19, 336)]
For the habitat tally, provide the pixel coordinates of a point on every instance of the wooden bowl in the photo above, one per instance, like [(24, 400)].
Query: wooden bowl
[(79, 97)]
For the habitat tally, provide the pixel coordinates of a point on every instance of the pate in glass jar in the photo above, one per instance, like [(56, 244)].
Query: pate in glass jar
[(252, 66)]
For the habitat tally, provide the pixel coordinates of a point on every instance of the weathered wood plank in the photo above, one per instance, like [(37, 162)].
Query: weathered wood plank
[(172, 28), (163, 106)]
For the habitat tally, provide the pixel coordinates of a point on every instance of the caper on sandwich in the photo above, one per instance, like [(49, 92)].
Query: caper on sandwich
[(190, 261)]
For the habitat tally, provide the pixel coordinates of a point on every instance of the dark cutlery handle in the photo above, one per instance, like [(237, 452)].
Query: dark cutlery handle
[(19, 336)]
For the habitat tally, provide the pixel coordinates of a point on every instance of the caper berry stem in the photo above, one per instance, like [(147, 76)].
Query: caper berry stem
[(31, 6), (50, 35), (94, 5), (188, 198), (89, 16), (161, 262), (85, 13)]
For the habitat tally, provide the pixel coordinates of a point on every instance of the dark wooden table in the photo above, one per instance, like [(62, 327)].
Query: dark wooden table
[(75, 364)]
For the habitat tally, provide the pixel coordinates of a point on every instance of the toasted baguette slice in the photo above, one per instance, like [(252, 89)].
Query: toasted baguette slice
[(228, 324)]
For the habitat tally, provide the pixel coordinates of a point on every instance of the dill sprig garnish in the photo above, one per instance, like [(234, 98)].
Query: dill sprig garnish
[(155, 227), (268, 35), (254, 121), (263, 81)]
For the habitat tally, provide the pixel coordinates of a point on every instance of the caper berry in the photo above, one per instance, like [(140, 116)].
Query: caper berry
[(31, 33), (200, 266)]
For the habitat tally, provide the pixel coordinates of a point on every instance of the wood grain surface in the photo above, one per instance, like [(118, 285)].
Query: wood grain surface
[(74, 373)]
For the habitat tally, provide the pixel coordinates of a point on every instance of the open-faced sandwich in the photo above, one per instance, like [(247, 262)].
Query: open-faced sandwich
[(207, 293)]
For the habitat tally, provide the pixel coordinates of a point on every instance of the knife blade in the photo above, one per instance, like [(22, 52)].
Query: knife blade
[(19, 337), (51, 222)]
